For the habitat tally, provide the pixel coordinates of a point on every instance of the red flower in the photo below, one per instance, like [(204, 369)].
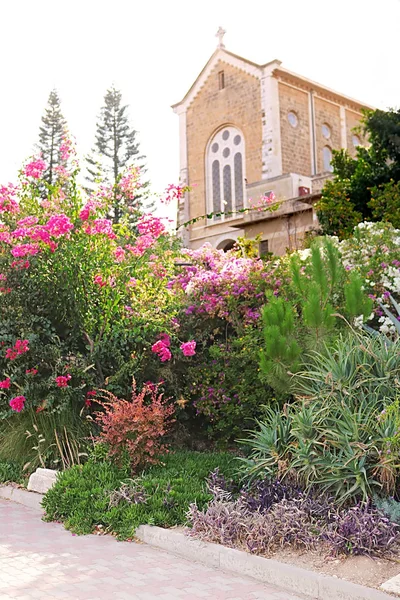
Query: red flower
[(62, 381), (31, 372)]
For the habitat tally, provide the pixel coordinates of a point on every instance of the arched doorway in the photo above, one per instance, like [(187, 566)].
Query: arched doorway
[(226, 245)]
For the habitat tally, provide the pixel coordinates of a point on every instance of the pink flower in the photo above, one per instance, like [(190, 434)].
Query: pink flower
[(8, 201), (35, 168), (119, 254), (31, 372), (89, 208), (21, 250), (132, 282), (62, 381), (165, 354), (189, 348), (20, 264), (161, 350), (27, 221), (5, 384), (166, 340), (101, 226), (17, 403), (5, 236), (21, 346), (59, 225), (174, 192), (142, 244), (3, 277), (98, 280), (151, 225)]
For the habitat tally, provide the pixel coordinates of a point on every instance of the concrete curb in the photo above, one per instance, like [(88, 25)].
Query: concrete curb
[(284, 576), (22, 496)]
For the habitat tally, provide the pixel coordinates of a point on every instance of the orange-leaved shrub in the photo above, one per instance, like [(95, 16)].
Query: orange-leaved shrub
[(135, 427)]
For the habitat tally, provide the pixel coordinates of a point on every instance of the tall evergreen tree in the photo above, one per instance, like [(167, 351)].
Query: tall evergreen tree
[(51, 135), (116, 148)]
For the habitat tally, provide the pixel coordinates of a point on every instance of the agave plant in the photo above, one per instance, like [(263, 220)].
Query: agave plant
[(270, 446), (343, 433)]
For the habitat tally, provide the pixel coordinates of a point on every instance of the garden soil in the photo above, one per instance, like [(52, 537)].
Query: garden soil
[(371, 572)]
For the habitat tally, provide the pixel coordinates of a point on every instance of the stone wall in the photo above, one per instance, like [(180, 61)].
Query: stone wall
[(238, 104), (295, 141), (326, 113)]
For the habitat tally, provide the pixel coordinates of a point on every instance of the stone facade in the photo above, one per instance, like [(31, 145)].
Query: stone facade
[(290, 126), (296, 153)]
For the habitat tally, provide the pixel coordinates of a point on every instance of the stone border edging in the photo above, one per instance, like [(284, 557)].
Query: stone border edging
[(282, 575), (21, 496)]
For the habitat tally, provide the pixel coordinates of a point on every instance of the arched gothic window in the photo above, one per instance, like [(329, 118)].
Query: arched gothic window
[(225, 172)]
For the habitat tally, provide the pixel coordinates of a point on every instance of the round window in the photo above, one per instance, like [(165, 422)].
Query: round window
[(292, 118), (356, 141), (226, 152), (215, 147), (236, 140), (225, 135), (326, 131)]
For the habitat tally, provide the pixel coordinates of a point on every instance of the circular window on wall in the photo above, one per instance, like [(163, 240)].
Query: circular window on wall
[(356, 141), (326, 131), (292, 118)]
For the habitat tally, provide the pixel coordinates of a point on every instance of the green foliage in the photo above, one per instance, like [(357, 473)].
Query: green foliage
[(10, 471), (342, 433), (390, 507), (225, 387), (81, 496), (385, 202), (57, 440), (51, 136), (364, 187), (281, 349), (307, 316), (356, 301), (116, 149)]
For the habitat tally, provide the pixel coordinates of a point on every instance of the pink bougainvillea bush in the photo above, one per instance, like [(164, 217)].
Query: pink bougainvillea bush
[(82, 300)]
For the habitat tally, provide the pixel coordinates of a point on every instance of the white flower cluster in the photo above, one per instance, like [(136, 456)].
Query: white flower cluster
[(387, 326), (391, 279)]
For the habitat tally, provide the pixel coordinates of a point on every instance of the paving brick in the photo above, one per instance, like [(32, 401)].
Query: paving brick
[(43, 561)]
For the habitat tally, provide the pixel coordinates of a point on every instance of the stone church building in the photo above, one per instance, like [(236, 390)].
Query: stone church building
[(248, 130)]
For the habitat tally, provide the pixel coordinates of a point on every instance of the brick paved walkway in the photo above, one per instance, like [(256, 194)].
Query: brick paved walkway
[(42, 561)]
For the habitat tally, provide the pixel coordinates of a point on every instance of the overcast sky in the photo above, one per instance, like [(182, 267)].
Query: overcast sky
[(154, 49)]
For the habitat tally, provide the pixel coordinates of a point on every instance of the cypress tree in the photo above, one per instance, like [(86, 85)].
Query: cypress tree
[(116, 148), (51, 135)]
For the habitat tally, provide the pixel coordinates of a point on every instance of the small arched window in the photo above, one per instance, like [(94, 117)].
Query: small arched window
[(225, 172), (327, 158)]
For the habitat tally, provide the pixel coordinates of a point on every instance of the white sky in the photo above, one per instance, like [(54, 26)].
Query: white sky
[(154, 49)]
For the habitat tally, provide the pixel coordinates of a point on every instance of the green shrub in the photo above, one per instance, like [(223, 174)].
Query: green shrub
[(81, 496), (390, 507), (342, 433)]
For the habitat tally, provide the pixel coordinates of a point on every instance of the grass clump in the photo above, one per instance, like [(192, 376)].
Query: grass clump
[(10, 471), (101, 493)]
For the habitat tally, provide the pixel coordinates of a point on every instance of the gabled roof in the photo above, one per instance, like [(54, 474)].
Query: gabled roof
[(230, 58), (251, 68)]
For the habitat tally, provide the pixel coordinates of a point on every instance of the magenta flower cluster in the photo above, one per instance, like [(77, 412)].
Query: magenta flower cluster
[(220, 284)]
